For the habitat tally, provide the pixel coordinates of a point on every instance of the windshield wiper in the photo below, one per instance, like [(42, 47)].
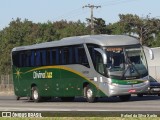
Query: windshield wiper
[(130, 66), (134, 67)]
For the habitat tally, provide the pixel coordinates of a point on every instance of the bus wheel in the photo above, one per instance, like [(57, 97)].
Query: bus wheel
[(159, 94), (67, 99), (35, 94), (89, 94), (125, 97)]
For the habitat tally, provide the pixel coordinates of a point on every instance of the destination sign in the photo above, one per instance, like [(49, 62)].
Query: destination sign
[(114, 49)]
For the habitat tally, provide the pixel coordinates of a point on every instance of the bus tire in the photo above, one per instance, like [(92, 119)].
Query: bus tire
[(158, 94), (125, 97), (67, 99), (89, 94), (35, 94)]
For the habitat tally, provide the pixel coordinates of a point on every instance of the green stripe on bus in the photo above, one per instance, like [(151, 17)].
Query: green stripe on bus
[(127, 82)]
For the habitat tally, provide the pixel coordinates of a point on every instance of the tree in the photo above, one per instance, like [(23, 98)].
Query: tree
[(156, 41), (115, 28), (24, 32), (143, 29), (99, 25), (67, 29), (45, 32)]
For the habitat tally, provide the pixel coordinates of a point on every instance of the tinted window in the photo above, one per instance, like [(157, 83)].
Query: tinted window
[(51, 56), (96, 58), (16, 59), (80, 56)]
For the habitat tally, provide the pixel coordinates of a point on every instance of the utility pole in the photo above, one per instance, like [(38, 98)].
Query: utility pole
[(92, 23)]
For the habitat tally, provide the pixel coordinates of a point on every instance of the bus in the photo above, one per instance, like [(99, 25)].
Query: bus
[(90, 66)]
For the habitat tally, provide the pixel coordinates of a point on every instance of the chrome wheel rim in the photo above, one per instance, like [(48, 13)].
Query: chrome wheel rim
[(35, 94), (89, 93)]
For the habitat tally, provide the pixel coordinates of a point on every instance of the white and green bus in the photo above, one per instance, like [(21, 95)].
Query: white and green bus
[(92, 66)]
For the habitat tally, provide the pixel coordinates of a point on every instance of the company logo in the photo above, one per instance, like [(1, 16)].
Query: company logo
[(39, 74), (132, 82), (6, 114), (18, 73)]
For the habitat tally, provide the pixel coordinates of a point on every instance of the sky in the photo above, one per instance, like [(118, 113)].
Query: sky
[(71, 10)]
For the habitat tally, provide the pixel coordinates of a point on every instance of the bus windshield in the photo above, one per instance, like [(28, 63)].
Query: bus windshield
[(126, 62)]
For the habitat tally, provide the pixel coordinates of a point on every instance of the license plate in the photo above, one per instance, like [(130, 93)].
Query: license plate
[(132, 91), (156, 89)]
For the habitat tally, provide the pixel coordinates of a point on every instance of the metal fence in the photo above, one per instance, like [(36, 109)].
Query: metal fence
[(6, 83)]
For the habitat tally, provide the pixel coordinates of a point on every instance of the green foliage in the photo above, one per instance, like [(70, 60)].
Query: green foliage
[(20, 33), (155, 42), (115, 29), (144, 28), (25, 32), (99, 26), (68, 29)]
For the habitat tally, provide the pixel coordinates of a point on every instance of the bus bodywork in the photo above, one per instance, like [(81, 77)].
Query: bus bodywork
[(90, 66)]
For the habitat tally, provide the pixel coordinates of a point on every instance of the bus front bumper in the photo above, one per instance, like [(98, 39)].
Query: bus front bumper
[(117, 89)]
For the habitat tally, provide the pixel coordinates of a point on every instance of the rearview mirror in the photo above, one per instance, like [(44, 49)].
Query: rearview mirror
[(150, 51), (151, 54), (103, 55)]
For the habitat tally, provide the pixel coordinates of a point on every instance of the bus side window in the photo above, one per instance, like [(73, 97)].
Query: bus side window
[(93, 53), (76, 55), (99, 66), (57, 56), (28, 58), (16, 59), (65, 55), (32, 59), (38, 58), (96, 58), (50, 57), (62, 59), (54, 56), (70, 55), (43, 53), (23, 59), (48, 54), (80, 56)]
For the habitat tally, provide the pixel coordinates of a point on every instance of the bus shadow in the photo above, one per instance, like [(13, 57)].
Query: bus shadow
[(102, 100), (133, 99), (145, 98)]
